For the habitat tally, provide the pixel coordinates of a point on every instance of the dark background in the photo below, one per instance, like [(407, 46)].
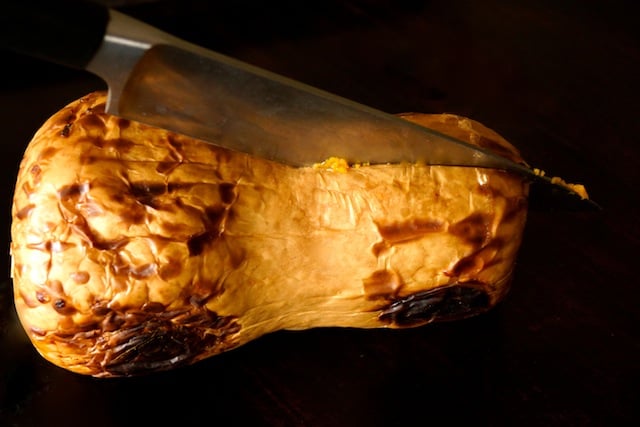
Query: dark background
[(559, 79)]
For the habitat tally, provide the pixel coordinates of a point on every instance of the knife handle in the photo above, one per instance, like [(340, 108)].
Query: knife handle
[(66, 32)]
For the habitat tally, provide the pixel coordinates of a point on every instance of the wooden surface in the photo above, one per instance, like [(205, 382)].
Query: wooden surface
[(557, 78)]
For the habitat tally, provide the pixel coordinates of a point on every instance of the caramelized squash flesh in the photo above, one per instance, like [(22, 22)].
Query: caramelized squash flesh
[(138, 250)]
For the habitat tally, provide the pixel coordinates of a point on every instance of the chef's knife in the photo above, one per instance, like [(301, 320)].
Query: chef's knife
[(158, 79)]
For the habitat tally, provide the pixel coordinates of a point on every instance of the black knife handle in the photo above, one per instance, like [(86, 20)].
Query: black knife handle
[(66, 32)]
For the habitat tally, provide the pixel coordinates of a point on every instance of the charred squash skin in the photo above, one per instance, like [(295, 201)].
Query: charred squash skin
[(137, 250)]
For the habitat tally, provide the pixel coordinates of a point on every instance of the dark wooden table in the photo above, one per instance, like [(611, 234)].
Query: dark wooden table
[(558, 78)]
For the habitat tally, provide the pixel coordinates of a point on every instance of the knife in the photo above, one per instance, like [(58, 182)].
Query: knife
[(156, 78)]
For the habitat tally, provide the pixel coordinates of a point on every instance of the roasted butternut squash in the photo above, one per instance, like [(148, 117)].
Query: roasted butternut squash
[(138, 250)]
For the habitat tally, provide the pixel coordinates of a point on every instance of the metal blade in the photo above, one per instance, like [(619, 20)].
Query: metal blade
[(164, 81)]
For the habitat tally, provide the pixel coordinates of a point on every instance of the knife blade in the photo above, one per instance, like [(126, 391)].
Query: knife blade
[(159, 79)]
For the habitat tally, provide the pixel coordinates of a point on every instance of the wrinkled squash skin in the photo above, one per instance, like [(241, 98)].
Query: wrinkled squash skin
[(138, 250)]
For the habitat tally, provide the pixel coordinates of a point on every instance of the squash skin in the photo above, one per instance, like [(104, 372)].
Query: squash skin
[(137, 250)]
